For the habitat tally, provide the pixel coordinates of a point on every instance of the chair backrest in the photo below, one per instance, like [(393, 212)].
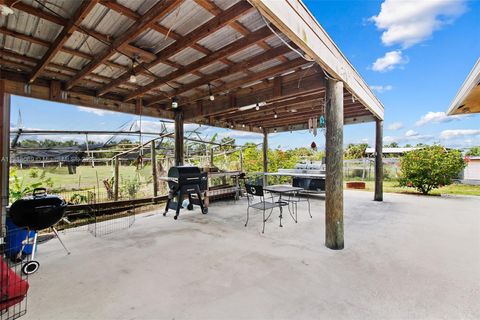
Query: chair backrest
[(255, 190)]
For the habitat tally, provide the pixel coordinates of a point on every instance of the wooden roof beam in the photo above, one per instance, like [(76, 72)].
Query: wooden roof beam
[(270, 72), (313, 82), (238, 67), (303, 110), (215, 10), (125, 11), (67, 31), (152, 15), (202, 31), (214, 56)]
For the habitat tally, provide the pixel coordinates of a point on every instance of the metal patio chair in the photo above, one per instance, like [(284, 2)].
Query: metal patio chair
[(294, 200), (257, 200)]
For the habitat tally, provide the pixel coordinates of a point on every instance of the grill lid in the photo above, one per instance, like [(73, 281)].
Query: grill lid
[(37, 212)]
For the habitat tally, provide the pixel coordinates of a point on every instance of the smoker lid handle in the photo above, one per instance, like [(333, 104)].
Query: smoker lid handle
[(39, 192)]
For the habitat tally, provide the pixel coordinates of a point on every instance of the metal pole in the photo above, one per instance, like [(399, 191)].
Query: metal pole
[(334, 166), (154, 168), (179, 135), (265, 155), (5, 155)]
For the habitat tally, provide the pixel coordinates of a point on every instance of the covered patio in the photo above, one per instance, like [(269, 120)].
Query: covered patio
[(261, 66), (402, 261)]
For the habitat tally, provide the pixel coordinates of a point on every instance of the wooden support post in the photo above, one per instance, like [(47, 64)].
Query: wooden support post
[(378, 160), (116, 177), (178, 138), (241, 160), (265, 155), (153, 155), (211, 158), (334, 166), (4, 155)]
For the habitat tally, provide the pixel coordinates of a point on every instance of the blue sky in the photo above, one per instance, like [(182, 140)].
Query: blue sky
[(414, 54)]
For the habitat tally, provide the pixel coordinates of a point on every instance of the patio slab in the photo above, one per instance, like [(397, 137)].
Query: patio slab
[(406, 257)]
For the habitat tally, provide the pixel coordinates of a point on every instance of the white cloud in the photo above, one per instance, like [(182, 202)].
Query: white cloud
[(381, 89), (389, 61), (437, 117), (452, 134), (408, 22), (98, 112), (410, 136), (411, 133), (395, 126)]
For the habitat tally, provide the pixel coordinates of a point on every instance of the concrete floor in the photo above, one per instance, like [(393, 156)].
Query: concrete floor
[(408, 257)]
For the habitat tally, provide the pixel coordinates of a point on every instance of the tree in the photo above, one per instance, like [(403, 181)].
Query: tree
[(355, 151), (474, 151), (391, 145), (430, 167)]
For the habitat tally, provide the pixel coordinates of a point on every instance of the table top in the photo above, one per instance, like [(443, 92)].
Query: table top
[(282, 188)]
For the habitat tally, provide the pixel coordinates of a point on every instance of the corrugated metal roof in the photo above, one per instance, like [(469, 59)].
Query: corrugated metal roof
[(252, 21), (187, 78), (214, 67), (246, 53), (153, 41), (276, 41), (186, 18), (162, 70), (107, 21), (65, 8), (225, 4), (187, 56), (265, 65), (139, 6), (220, 38), (233, 77)]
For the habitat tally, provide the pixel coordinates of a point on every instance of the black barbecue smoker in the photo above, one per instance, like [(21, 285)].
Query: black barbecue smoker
[(182, 181)]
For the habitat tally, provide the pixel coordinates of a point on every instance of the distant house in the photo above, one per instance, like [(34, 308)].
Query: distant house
[(389, 151), (471, 174), (467, 99)]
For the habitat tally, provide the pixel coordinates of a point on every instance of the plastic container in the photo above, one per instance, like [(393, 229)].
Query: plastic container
[(15, 238)]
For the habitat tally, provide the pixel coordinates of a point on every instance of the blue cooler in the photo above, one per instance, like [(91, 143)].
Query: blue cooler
[(15, 238)]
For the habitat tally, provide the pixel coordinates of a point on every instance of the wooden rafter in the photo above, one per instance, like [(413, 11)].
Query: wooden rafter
[(310, 83), (258, 76), (224, 52), (67, 31), (202, 31), (304, 110), (155, 13), (238, 67)]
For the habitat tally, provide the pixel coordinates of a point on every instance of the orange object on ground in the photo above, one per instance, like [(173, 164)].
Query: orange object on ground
[(356, 185)]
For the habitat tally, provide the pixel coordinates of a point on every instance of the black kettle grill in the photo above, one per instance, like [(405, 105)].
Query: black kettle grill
[(38, 212), (184, 180)]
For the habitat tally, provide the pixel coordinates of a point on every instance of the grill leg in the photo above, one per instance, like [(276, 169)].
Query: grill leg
[(60, 239), (200, 201), (166, 207), (179, 204)]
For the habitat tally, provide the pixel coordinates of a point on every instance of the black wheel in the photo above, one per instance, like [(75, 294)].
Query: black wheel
[(190, 207), (30, 267), (175, 217), (205, 210), (165, 213)]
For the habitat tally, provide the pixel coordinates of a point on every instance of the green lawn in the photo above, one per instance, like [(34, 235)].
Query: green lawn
[(392, 186), (86, 176)]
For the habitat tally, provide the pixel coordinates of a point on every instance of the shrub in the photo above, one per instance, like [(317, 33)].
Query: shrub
[(430, 167)]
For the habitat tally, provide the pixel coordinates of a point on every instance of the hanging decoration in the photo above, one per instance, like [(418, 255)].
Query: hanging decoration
[(313, 146)]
